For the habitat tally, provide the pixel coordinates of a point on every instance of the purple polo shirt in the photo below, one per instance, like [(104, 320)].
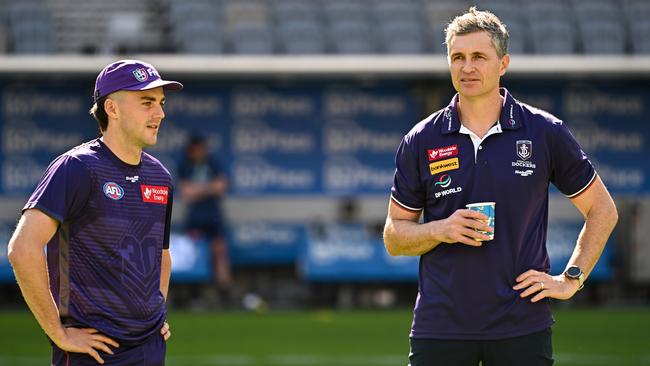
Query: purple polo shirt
[(104, 261), (466, 292)]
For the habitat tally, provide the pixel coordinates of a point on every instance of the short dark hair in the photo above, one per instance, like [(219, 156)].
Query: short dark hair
[(99, 113), (476, 20)]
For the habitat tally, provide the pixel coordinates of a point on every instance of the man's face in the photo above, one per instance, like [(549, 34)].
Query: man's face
[(474, 65), (140, 114)]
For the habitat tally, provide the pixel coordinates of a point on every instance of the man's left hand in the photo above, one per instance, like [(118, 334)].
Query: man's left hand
[(544, 285), (165, 331)]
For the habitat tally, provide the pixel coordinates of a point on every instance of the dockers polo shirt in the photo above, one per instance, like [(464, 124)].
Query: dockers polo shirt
[(466, 292)]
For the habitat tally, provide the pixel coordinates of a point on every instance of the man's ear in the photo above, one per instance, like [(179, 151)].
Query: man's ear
[(503, 67), (111, 107)]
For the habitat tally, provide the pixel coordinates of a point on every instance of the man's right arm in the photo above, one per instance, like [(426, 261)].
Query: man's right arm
[(27, 256), (404, 235)]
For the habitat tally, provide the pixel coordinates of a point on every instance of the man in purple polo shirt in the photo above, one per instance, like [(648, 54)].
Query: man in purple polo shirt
[(484, 300), (103, 210)]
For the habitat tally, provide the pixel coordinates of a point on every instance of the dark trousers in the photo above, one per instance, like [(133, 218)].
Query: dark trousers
[(530, 350), (149, 353)]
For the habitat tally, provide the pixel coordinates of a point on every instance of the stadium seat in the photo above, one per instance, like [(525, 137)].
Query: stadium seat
[(639, 31), (547, 10), (402, 11), (249, 26), (437, 38), (637, 14), (602, 37), (301, 37), (199, 37), (181, 11), (31, 30), (552, 36), (586, 10), (81, 25), (123, 32), (352, 37), (246, 11), (346, 11), (4, 39), (443, 11), (251, 38), (636, 10), (296, 10), (518, 32), (401, 37)]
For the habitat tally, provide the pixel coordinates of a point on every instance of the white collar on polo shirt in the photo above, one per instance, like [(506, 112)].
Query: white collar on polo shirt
[(496, 128)]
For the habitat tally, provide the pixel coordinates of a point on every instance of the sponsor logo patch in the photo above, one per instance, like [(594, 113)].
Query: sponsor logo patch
[(444, 181), (155, 194), (113, 191), (524, 173), (443, 166), (442, 152), (447, 192)]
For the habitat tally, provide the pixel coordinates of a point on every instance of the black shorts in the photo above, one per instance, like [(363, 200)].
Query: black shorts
[(531, 350)]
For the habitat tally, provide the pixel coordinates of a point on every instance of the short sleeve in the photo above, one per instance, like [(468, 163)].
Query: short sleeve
[(407, 190), (572, 172), (63, 190)]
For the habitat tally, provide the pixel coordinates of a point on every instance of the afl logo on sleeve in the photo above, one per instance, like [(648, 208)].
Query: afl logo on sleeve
[(113, 191), (155, 194)]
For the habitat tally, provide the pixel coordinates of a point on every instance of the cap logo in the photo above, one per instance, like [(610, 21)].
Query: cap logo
[(141, 74)]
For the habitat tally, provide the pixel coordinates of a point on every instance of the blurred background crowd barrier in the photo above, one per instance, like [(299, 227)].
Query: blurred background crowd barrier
[(304, 103)]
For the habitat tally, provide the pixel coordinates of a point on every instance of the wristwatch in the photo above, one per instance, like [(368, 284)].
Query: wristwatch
[(574, 272)]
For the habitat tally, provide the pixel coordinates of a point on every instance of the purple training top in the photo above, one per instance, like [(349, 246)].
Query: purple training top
[(104, 261), (466, 292)]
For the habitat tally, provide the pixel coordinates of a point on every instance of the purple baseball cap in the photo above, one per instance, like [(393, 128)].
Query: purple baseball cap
[(130, 75)]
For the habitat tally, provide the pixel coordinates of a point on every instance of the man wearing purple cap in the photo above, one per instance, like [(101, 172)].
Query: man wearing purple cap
[(103, 210)]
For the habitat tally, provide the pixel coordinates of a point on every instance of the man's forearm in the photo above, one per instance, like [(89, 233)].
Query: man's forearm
[(405, 237), (30, 269), (599, 224)]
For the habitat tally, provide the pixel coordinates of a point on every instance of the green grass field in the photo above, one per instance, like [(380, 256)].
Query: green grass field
[(611, 337)]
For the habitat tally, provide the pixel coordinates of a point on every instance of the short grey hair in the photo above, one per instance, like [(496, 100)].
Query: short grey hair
[(479, 21)]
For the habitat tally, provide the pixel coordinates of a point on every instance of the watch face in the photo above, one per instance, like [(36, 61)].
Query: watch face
[(573, 271)]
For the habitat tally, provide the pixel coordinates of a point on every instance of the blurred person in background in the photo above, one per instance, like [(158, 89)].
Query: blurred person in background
[(480, 300), (103, 210), (203, 184)]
